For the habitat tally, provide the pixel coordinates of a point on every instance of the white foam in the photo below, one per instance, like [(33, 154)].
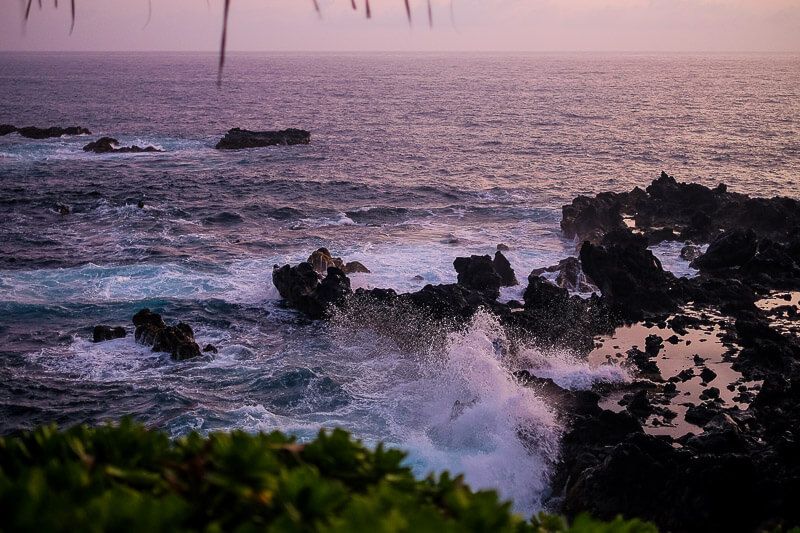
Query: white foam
[(462, 411), (569, 371), (241, 282), (118, 360), (669, 253)]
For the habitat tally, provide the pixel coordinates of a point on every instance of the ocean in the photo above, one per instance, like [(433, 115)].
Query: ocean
[(415, 159)]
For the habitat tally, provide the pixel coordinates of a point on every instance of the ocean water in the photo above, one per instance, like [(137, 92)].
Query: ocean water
[(414, 160)]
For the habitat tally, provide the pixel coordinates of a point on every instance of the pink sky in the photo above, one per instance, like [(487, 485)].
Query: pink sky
[(524, 25)]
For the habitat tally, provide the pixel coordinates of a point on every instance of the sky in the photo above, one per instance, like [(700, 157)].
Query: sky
[(460, 25)]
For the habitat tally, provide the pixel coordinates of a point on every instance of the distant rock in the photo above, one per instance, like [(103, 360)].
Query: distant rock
[(32, 132), (107, 333), (178, 340), (106, 145), (5, 129), (237, 139)]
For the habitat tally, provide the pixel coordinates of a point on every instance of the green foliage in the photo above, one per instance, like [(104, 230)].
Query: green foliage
[(129, 478)]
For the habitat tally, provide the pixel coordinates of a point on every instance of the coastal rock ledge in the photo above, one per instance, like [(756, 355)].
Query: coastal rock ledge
[(237, 139)]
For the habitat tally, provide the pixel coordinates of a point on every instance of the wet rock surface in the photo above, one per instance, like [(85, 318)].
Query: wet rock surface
[(176, 340), (107, 145), (569, 275), (32, 132), (237, 139), (743, 457), (106, 333), (322, 260), (302, 289)]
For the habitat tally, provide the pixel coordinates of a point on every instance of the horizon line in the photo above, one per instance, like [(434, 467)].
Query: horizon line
[(418, 51)]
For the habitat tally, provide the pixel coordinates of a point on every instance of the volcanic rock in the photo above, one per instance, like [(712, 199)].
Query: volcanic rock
[(32, 132), (177, 340), (107, 333), (301, 288), (237, 138), (106, 145)]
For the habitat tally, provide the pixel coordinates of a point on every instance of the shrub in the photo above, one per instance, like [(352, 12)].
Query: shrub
[(127, 477)]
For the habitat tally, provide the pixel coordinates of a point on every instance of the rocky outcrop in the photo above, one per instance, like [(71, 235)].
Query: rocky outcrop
[(482, 273), (107, 333), (177, 340), (745, 460), (107, 145), (588, 219), (631, 279), (503, 268), (669, 210), (477, 272), (301, 288), (237, 139), (321, 259), (729, 250), (32, 132), (555, 318)]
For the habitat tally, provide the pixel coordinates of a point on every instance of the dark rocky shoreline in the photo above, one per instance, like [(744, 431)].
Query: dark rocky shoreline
[(741, 471), (738, 466)]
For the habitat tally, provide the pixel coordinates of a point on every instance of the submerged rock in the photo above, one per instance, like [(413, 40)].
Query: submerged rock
[(106, 145), (690, 252), (177, 340), (237, 138), (107, 333)]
